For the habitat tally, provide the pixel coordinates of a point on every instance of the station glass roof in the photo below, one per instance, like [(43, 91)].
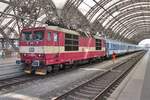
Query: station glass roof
[(123, 20)]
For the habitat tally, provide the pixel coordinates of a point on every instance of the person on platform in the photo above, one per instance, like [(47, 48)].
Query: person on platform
[(114, 57)]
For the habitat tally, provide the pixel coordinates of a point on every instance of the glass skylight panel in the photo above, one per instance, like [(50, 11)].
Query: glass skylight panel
[(130, 36), (6, 20), (123, 32), (59, 3), (114, 14), (116, 27), (12, 12), (107, 20), (97, 0), (41, 18), (7, 0), (97, 14), (136, 5), (10, 25), (84, 8), (90, 3), (111, 3), (3, 6), (16, 28), (141, 21)]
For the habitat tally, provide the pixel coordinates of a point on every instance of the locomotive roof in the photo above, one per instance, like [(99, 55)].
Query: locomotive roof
[(54, 28), (60, 29), (57, 28)]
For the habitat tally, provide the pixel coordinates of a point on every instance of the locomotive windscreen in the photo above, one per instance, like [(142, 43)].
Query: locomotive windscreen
[(26, 36), (29, 36), (38, 35)]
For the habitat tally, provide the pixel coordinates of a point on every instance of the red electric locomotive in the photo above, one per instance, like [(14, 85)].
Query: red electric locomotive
[(42, 48)]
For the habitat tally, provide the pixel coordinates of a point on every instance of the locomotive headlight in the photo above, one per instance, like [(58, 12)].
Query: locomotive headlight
[(41, 55), (24, 54)]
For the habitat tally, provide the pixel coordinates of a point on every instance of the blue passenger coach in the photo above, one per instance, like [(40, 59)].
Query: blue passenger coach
[(120, 47)]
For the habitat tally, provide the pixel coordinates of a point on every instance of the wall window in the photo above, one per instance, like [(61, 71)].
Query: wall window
[(55, 37), (71, 42)]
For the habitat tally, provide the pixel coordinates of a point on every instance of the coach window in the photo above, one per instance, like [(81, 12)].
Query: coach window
[(49, 36), (55, 36)]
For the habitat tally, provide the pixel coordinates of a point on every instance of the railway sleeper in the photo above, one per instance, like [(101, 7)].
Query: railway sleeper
[(95, 85), (88, 92), (72, 97), (99, 87), (83, 95), (91, 89)]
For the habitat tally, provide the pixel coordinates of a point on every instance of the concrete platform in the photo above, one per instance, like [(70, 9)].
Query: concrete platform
[(9, 68), (136, 85), (7, 60)]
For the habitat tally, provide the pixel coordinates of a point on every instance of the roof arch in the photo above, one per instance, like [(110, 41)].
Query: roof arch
[(124, 20), (124, 8)]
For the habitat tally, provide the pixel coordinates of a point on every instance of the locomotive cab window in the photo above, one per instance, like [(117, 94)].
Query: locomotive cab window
[(26, 36), (98, 44), (71, 42), (38, 35)]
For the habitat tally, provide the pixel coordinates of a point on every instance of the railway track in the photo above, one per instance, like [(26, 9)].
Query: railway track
[(10, 70), (6, 83), (101, 86)]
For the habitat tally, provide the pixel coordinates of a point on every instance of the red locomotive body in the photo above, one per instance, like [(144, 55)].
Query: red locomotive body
[(44, 47)]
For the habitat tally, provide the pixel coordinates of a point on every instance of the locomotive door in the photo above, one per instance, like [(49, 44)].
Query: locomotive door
[(56, 43)]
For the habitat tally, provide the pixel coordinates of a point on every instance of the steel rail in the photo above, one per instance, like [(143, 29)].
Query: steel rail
[(101, 85)]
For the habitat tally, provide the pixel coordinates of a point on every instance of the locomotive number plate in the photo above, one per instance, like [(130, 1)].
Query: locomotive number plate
[(31, 49)]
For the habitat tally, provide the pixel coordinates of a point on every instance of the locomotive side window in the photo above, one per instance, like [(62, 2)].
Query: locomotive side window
[(49, 36), (71, 42), (26, 36), (55, 37), (98, 44), (38, 35)]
